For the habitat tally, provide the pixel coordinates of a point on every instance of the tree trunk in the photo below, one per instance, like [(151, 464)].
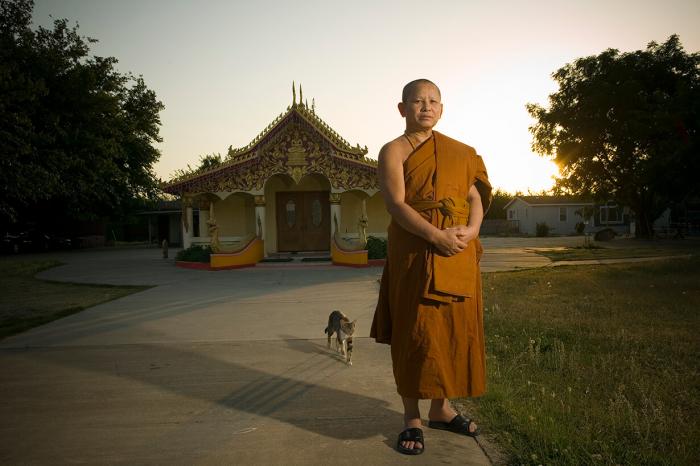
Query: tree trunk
[(644, 227)]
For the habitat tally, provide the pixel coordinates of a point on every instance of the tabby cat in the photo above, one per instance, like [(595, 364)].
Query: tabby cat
[(339, 324)]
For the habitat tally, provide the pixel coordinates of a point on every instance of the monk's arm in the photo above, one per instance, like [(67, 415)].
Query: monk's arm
[(476, 213), (391, 183)]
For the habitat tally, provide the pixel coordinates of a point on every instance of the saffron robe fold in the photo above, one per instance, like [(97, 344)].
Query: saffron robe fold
[(430, 306)]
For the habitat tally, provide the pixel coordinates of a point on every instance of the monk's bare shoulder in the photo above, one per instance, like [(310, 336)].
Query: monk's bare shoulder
[(393, 151)]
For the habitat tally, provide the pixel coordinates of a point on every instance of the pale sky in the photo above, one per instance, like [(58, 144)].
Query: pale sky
[(224, 69)]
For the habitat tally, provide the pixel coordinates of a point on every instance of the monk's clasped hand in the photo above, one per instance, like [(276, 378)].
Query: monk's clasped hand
[(452, 241)]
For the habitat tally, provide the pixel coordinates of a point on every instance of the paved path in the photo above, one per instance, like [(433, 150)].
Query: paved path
[(206, 368), (224, 367), (501, 254)]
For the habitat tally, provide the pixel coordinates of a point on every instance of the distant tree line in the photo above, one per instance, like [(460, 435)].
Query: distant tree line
[(499, 201), (77, 138)]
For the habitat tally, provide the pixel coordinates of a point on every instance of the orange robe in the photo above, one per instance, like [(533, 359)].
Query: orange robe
[(430, 308)]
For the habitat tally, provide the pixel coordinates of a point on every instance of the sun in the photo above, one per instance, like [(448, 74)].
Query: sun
[(529, 172)]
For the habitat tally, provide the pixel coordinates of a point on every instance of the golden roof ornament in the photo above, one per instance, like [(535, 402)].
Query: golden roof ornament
[(296, 153)]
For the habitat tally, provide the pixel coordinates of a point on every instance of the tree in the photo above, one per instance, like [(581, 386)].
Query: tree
[(624, 127), (209, 161), (76, 137), (499, 201), (206, 162)]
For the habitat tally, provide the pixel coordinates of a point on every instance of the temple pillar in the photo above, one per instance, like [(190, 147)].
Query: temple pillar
[(260, 219), (335, 213), (203, 218), (187, 223)]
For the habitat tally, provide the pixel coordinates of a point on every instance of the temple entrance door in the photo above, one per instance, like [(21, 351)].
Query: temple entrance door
[(317, 221), (303, 221)]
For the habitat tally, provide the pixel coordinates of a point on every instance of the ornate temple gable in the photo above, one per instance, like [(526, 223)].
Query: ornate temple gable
[(296, 143), (302, 111)]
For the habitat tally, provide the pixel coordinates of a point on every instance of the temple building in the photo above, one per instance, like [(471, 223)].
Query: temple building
[(293, 186)]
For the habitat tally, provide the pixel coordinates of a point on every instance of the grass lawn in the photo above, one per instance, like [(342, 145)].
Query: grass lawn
[(594, 364), (27, 302)]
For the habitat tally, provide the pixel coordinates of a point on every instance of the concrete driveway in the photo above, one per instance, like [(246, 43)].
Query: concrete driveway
[(226, 367)]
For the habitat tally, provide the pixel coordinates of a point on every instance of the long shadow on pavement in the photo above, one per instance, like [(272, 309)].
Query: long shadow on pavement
[(297, 390)]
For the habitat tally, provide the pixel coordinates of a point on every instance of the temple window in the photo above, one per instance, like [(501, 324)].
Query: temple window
[(291, 213), (316, 213)]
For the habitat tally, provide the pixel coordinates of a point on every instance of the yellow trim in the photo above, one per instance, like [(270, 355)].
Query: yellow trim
[(248, 256), (344, 257)]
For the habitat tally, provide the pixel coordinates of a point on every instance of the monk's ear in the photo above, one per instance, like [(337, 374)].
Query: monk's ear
[(402, 109)]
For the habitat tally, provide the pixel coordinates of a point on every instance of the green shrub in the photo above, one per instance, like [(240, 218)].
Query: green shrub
[(194, 253), (542, 229), (580, 227), (376, 248)]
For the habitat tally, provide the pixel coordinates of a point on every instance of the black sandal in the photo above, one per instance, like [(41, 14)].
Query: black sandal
[(459, 425), (413, 434)]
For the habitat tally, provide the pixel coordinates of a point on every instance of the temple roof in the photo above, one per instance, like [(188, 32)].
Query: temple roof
[(309, 114), (298, 118)]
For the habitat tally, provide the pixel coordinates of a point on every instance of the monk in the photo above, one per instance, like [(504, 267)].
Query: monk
[(430, 306)]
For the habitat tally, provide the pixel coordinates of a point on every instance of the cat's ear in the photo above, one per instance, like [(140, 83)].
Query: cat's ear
[(353, 322)]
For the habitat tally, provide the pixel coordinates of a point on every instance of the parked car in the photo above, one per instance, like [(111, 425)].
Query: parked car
[(11, 243), (63, 242), (33, 240)]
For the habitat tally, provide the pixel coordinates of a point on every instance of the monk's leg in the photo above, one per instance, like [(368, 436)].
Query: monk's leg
[(411, 418), (440, 410)]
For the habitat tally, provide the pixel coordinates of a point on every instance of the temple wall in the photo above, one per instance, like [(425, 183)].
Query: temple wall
[(273, 185), (350, 210), (378, 217), (235, 215)]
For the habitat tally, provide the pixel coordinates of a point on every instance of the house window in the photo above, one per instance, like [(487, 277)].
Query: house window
[(610, 213), (562, 214), (511, 214)]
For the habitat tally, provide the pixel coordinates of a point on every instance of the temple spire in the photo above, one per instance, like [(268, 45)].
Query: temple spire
[(294, 95), (301, 95), (313, 105)]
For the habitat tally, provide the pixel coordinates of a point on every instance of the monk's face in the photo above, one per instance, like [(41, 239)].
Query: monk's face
[(422, 108)]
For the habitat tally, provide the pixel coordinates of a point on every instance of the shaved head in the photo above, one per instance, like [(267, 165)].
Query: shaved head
[(409, 88)]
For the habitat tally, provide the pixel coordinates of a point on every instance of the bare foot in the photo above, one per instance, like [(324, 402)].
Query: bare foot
[(408, 424), (445, 413)]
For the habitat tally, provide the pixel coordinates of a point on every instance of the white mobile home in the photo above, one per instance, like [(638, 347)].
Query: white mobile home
[(561, 214)]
